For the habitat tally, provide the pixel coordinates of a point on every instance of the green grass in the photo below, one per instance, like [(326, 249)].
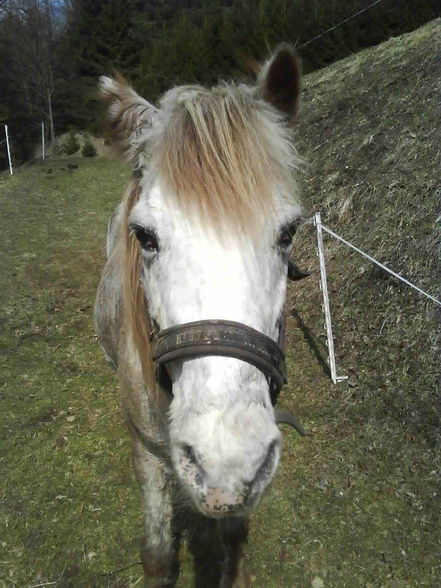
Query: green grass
[(65, 459), (355, 504)]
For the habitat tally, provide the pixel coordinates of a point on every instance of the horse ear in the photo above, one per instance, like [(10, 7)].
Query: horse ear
[(127, 112), (279, 80)]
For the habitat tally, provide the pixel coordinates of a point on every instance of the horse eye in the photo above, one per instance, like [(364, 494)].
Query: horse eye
[(286, 236), (147, 239)]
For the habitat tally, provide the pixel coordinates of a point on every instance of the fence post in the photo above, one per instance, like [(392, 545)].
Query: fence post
[(9, 149), (326, 308), (42, 139)]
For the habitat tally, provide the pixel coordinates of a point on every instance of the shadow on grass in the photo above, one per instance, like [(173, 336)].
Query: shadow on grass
[(313, 345)]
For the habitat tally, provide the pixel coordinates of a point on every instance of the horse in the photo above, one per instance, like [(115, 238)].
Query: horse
[(190, 306)]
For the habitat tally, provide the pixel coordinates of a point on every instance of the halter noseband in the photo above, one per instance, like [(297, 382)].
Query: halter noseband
[(227, 339)]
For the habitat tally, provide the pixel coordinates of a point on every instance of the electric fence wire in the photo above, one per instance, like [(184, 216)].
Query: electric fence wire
[(339, 24), (384, 267)]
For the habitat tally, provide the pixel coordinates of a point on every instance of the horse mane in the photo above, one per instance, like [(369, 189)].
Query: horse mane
[(135, 312), (220, 153)]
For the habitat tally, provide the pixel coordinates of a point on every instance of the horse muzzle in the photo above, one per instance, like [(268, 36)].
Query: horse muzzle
[(231, 494)]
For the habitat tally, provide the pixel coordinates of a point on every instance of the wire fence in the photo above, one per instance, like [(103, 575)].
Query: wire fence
[(36, 135), (339, 24), (316, 220), (383, 267)]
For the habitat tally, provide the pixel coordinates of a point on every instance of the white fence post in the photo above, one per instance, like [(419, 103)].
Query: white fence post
[(326, 308), (9, 149), (42, 139)]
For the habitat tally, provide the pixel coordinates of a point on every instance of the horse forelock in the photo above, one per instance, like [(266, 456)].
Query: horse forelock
[(223, 153)]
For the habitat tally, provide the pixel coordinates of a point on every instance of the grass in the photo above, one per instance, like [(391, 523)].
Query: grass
[(357, 503)]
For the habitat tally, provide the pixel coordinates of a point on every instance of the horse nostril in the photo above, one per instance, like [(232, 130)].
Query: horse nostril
[(189, 454), (191, 465), (266, 467)]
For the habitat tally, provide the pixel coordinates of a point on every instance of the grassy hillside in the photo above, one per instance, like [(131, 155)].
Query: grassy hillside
[(371, 130), (356, 504)]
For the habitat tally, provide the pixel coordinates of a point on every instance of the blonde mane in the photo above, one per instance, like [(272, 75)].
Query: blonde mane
[(223, 153), (135, 311)]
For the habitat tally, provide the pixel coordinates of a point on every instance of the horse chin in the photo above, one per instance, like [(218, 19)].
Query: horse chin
[(213, 510)]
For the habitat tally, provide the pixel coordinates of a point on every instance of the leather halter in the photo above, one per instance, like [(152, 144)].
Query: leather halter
[(225, 338)]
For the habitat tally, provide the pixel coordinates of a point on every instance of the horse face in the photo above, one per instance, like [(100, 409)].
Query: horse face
[(225, 445)]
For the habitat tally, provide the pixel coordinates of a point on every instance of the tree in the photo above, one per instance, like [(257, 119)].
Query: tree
[(52, 51), (30, 36)]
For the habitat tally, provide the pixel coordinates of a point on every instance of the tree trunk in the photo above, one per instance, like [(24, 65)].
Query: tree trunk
[(51, 118)]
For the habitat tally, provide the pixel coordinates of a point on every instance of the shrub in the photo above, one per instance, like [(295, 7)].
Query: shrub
[(88, 149), (56, 148), (70, 144)]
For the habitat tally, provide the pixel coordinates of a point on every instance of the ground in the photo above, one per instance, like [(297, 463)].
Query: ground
[(355, 504)]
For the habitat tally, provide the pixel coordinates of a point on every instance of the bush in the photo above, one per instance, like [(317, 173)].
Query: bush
[(70, 144), (88, 149), (56, 148)]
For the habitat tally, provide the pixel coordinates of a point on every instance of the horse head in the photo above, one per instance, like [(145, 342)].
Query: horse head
[(208, 229)]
